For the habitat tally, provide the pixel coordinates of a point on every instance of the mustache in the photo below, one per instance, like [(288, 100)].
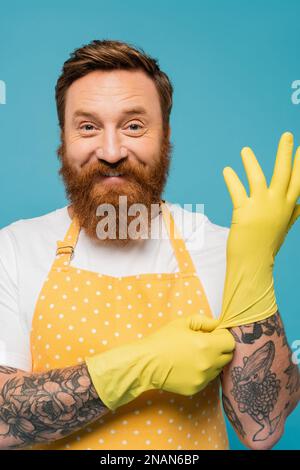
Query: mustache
[(96, 170)]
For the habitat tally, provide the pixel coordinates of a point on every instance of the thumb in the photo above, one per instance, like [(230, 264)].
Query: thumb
[(295, 216), (198, 322)]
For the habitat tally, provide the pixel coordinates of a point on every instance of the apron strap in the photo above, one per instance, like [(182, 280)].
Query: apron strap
[(65, 248), (183, 257)]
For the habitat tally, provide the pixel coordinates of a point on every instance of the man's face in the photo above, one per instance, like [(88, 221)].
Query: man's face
[(113, 123)]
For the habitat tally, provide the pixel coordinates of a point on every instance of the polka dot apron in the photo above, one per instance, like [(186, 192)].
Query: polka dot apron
[(81, 313)]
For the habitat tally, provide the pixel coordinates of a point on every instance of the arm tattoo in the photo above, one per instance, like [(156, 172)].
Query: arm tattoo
[(293, 374), (47, 406), (232, 416), (256, 389), (249, 333)]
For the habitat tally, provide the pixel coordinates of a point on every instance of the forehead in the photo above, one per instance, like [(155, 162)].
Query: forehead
[(118, 88)]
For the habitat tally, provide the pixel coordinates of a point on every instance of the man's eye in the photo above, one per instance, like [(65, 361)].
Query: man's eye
[(90, 126), (136, 125)]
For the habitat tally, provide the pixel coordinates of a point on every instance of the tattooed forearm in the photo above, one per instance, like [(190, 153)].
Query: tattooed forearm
[(248, 334), (256, 389), (292, 371), (232, 416), (47, 406), (261, 385)]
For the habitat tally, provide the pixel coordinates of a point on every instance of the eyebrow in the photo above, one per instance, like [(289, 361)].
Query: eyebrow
[(126, 112)]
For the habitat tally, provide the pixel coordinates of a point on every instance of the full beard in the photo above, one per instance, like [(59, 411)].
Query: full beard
[(140, 186)]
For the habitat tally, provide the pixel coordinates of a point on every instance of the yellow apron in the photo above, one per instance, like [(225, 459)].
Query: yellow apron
[(81, 313)]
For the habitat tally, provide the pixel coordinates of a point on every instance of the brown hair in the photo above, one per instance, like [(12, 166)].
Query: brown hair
[(111, 55)]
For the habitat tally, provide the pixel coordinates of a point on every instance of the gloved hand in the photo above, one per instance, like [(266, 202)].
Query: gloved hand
[(178, 358), (259, 225)]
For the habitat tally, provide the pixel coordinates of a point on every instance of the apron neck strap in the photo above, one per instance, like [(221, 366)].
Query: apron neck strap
[(65, 248)]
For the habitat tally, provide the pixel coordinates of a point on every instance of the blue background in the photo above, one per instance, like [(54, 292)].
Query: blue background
[(232, 64)]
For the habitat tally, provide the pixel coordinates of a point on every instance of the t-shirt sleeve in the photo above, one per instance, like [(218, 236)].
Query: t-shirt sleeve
[(14, 342)]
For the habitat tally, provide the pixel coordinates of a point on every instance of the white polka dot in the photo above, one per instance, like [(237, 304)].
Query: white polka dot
[(101, 441), (117, 333), (149, 305), (171, 420), (119, 297), (83, 320), (106, 323), (68, 348), (109, 286), (96, 311), (128, 325), (92, 351), (148, 422), (129, 306), (86, 300), (94, 331), (81, 340), (139, 335), (39, 337), (68, 278), (70, 327), (160, 294), (112, 431), (148, 286), (73, 307), (47, 346), (76, 289), (108, 304), (159, 431), (61, 315), (42, 297), (64, 296), (51, 305), (57, 356), (148, 442), (40, 317), (55, 286), (186, 283), (140, 315), (125, 421), (58, 336), (170, 439), (129, 287), (98, 292), (177, 294), (104, 341), (88, 283), (79, 359), (189, 301), (160, 314), (149, 325), (124, 442), (136, 432), (49, 326)]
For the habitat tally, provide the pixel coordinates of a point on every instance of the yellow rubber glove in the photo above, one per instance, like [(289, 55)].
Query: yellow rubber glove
[(259, 225), (178, 358)]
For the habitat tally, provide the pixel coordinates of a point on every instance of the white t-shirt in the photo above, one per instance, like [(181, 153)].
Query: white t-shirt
[(28, 247)]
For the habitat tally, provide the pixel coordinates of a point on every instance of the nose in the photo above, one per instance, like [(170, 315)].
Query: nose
[(110, 151), (112, 158)]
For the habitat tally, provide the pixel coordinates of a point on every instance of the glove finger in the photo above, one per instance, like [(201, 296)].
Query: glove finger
[(256, 178), (224, 340), (294, 217), (224, 360), (283, 164), (294, 186), (198, 322), (235, 187)]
